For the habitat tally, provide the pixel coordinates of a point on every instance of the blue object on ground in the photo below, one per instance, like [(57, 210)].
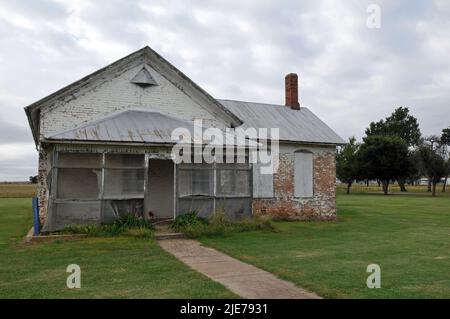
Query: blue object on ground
[(36, 216)]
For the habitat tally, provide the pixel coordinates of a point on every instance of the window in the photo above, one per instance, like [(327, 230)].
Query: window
[(303, 174)]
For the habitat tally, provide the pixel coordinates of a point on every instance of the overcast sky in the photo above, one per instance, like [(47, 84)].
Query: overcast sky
[(349, 74)]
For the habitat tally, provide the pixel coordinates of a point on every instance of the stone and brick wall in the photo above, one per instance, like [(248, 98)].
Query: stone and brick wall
[(44, 171), (284, 205)]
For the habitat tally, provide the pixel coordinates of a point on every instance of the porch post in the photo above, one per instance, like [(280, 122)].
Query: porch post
[(175, 188)]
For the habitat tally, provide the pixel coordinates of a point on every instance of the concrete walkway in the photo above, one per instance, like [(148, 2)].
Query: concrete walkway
[(243, 279)]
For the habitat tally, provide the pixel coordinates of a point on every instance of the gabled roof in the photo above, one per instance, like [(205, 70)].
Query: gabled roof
[(134, 126), (164, 67), (294, 125)]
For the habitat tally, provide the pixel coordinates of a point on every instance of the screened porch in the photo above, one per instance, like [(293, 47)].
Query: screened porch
[(87, 187)]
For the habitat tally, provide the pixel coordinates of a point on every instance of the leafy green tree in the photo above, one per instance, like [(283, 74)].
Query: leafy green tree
[(434, 165), (383, 158), (347, 164), (445, 137), (402, 124), (445, 140)]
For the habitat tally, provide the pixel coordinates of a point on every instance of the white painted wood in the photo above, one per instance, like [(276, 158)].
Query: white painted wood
[(262, 183), (303, 174)]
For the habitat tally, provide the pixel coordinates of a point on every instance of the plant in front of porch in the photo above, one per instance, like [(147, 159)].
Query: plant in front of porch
[(218, 224), (127, 225)]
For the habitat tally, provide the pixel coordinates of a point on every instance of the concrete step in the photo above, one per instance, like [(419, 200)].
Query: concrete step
[(163, 236), (161, 221)]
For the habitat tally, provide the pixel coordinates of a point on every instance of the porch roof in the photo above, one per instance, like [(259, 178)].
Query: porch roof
[(137, 126)]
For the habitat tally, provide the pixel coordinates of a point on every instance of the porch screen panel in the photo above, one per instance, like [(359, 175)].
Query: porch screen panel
[(124, 186), (79, 176), (232, 182), (203, 206), (79, 183), (196, 189), (77, 197), (124, 176), (80, 212), (202, 187), (233, 189)]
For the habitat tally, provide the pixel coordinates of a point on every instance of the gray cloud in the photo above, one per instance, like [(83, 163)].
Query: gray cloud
[(349, 74)]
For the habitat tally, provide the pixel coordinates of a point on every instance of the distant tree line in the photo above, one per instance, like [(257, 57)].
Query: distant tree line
[(395, 150)]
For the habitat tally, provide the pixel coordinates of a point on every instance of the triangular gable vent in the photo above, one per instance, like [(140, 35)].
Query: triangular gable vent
[(143, 78)]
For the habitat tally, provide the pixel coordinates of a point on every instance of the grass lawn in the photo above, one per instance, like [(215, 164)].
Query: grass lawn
[(120, 267), (407, 235)]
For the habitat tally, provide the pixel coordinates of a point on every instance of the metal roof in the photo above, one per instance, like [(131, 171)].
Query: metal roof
[(141, 126), (294, 125)]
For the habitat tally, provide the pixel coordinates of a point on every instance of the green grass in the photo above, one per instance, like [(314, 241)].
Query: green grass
[(115, 267), (407, 235), (358, 188)]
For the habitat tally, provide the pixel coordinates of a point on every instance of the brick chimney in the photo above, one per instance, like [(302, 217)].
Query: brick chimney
[(291, 86)]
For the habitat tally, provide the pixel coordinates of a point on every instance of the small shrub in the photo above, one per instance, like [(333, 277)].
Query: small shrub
[(187, 220), (132, 221), (89, 229), (128, 225), (220, 224)]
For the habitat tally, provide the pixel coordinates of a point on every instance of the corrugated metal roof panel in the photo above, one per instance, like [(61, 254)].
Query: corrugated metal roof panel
[(139, 126), (294, 125)]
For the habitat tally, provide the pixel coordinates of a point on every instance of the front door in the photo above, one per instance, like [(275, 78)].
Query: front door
[(159, 193)]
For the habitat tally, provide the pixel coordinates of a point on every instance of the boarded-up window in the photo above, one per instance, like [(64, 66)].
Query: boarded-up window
[(303, 174), (262, 183)]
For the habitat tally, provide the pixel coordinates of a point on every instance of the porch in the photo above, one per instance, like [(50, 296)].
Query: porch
[(97, 184)]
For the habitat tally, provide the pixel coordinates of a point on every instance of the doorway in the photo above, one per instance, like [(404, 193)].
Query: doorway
[(159, 192)]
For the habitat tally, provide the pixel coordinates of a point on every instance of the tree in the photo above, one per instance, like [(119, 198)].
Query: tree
[(384, 158), (445, 137), (434, 165), (445, 140), (401, 124), (33, 179), (347, 164)]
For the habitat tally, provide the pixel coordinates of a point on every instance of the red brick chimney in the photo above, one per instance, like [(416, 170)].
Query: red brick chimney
[(291, 86)]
